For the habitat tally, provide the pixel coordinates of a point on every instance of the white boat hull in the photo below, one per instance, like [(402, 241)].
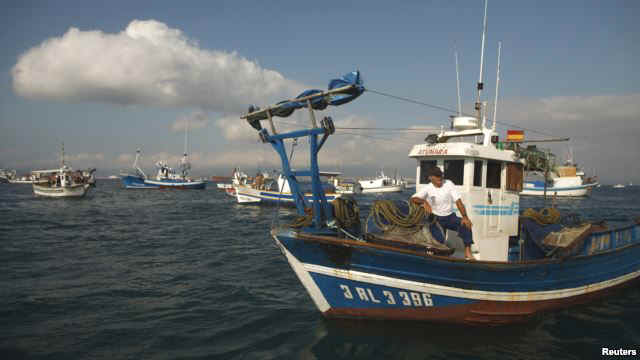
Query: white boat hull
[(21, 181), (381, 184), (576, 191), (383, 189), (67, 191), (247, 195)]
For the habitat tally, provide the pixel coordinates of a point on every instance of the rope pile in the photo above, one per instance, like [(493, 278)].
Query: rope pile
[(545, 216), (303, 221), (346, 212), (387, 210)]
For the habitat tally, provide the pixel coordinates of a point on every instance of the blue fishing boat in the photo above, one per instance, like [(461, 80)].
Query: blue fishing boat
[(166, 178), (391, 268)]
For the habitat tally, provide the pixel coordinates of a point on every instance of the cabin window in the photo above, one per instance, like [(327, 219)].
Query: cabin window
[(477, 173), (425, 165), (515, 176), (494, 169), (454, 171)]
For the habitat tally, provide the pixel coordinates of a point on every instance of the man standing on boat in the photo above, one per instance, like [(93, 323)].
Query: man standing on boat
[(438, 198)]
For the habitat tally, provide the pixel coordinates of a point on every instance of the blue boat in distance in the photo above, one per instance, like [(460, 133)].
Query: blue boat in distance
[(392, 269), (166, 178)]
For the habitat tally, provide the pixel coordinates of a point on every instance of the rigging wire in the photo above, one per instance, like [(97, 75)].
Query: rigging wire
[(503, 125), (414, 129), (389, 129), (452, 111), (394, 140), (411, 101)]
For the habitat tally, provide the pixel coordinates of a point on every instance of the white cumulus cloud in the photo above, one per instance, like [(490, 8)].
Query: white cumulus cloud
[(148, 63)]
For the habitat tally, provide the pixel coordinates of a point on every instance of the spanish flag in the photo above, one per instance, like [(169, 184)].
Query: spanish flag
[(515, 135)]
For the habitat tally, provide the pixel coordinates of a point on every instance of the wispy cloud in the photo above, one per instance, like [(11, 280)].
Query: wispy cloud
[(148, 63)]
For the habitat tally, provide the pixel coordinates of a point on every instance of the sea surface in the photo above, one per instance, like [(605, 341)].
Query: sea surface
[(158, 274)]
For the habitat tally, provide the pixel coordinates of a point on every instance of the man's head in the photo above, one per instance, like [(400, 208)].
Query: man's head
[(435, 175)]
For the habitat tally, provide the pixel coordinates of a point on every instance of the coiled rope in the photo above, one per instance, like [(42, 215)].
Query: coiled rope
[(388, 217), (545, 216), (303, 221), (346, 213)]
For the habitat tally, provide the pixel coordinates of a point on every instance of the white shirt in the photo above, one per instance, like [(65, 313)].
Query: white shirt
[(441, 199)]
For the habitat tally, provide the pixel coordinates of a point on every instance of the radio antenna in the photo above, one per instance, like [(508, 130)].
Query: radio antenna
[(458, 83), (480, 84), (495, 103)]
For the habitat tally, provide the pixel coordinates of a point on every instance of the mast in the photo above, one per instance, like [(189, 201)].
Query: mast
[(136, 166), (184, 157), (186, 131), (62, 164), (480, 83), (458, 83), (495, 103)]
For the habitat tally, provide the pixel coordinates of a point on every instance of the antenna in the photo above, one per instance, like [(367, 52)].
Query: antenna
[(480, 84), (186, 130), (458, 83), (62, 157), (495, 103)]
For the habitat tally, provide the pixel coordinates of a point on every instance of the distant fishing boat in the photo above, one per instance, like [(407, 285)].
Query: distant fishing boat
[(382, 184), (166, 177), (342, 186), (268, 189), (24, 179), (618, 186), (565, 181), (61, 182), (6, 175)]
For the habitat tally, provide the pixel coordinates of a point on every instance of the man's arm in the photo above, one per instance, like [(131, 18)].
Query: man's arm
[(463, 211), (421, 202)]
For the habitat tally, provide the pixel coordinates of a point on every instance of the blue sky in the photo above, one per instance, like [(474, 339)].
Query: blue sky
[(107, 78)]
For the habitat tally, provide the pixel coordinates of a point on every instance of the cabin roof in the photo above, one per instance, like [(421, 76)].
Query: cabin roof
[(461, 149)]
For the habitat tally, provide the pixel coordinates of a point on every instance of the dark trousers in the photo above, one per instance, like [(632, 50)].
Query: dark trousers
[(451, 222)]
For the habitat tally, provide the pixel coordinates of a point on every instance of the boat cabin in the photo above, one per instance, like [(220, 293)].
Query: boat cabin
[(487, 177)]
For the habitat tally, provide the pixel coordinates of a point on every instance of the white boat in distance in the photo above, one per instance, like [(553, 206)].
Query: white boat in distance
[(343, 186), (566, 180), (24, 179), (382, 184), (266, 189), (62, 182), (618, 186), (6, 175), (9, 176)]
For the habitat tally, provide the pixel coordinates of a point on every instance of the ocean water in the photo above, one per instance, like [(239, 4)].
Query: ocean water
[(152, 274)]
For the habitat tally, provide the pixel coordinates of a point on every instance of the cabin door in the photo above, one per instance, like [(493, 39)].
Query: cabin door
[(493, 200)]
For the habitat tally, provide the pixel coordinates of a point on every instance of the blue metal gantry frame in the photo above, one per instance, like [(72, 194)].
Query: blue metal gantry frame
[(322, 211), (340, 91)]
